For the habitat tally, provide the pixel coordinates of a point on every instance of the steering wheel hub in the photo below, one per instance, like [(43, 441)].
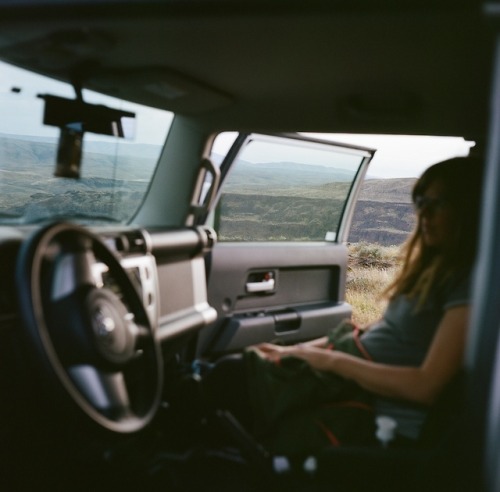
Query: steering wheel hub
[(111, 327)]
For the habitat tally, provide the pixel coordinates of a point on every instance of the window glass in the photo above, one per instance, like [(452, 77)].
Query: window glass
[(115, 172), (282, 189)]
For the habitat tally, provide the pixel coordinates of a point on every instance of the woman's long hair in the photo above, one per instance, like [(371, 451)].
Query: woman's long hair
[(425, 266)]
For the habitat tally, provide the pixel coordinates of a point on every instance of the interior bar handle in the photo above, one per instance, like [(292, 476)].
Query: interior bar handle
[(262, 286), (204, 192)]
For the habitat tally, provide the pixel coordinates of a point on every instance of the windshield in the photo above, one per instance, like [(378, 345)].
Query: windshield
[(115, 172)]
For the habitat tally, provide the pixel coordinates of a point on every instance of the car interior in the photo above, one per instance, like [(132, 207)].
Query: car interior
[(152, 221)]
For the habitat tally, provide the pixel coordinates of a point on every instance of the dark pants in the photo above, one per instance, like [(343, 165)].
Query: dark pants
[(225, 388)]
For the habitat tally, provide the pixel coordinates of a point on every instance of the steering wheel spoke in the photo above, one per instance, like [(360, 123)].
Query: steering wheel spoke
[(106, 392), (140, 332), (73, 270)]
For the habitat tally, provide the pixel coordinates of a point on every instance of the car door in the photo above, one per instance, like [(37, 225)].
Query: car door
[(277, 272)]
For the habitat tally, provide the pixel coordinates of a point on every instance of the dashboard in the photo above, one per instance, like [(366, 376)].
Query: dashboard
[(167, 268)]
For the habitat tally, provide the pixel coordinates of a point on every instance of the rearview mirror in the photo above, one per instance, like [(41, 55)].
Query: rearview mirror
[(93, 118), (75, 117)]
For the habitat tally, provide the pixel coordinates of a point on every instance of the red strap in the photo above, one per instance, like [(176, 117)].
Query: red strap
[(358, 343), (329, 434)]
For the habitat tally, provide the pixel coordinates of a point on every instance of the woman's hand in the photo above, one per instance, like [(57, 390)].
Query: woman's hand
[(273, 352), (318, 358)]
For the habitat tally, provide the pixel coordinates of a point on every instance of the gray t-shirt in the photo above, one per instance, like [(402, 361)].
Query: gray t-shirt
[(404, 336)]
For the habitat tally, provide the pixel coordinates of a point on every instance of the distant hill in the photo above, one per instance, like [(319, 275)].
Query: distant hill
[(280, 200), (283, 175), (388, 190), (293, 201), (109, 185), (384, 212)]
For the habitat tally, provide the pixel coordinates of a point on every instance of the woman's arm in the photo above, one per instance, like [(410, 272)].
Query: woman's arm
[(420, 384), (274, 352)]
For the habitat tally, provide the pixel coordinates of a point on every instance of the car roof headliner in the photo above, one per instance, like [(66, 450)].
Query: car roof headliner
[(421, 68)]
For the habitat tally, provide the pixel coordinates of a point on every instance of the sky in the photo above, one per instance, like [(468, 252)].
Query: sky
[(396, 156)]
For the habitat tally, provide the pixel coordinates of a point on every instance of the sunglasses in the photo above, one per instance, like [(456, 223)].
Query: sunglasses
[(430, 204)]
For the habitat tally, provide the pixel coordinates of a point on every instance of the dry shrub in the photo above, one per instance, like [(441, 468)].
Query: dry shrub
[(370, 270)]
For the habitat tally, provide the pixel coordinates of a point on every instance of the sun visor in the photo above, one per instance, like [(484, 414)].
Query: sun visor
[(159, 87)]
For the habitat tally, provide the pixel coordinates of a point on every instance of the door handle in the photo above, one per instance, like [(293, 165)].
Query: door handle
[(261, 286)]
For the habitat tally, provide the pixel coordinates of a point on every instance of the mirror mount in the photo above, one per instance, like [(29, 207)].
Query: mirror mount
[(74, 117)]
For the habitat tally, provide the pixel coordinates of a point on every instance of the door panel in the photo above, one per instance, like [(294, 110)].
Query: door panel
[(278, 271), (307, 298)]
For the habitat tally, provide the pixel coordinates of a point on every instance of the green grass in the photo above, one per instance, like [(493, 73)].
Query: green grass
[(370, 270)]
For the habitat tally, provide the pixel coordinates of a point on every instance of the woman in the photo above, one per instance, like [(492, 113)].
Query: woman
[(417, 348)]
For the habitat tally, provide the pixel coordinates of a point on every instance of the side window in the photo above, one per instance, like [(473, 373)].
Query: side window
[(287, 189)]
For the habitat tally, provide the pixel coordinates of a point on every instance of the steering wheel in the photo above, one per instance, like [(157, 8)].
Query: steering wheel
[(96, 342)]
